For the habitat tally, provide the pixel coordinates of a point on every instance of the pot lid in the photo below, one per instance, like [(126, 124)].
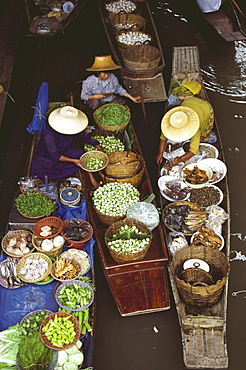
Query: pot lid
[(69, 194), (196, 263)]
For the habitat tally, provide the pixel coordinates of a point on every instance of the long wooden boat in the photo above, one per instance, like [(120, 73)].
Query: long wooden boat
[(147, 83), (31, 297), (229, 21), (47, 20), (138, 287), (203, 329)]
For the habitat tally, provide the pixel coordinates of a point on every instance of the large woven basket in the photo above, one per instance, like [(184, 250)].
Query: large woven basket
[(54, 252), (141, 57), (111, 14), (123, 45), (192, 206), (107, 219), (14, 234), (124, 20), (207, 295), (118, 128), (121, 257), (127, 172)]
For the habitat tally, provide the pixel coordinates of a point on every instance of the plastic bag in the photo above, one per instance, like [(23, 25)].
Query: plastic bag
[(145, 212), (215, 211), (176, 241)]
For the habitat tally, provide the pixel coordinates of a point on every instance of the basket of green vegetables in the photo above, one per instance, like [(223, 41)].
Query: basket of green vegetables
[(93, 161), (128, 240), (111, 141), (113, 117)]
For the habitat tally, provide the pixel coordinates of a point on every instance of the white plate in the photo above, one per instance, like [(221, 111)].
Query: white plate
[(161, 183), (216, 152), (196, 263), (217, 166), (219, 190)]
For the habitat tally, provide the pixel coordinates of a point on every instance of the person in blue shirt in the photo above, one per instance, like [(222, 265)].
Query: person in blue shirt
[(104, 87)]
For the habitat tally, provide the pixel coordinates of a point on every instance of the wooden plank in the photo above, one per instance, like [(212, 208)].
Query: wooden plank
[(204, 322)]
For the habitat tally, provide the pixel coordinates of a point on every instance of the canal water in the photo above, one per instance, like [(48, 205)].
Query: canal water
[(131, 343)]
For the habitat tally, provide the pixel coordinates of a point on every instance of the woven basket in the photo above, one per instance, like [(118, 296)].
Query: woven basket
[(196, 275), (51, 221), (56, 251), (126, 174), (192, 206), (219, 270), (93, 154), (35, 255), (123, 46), (30, 314), (106, 219), (120, 128), (120, 257), (13, 234), (52, 316), (74, 263), (141, 57), (78, 282), (111, 14), (123, 19), (105, 133)]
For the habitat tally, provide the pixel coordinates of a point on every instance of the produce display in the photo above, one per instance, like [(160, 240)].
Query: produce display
[(174, 189), (8, 273), (115, 198), (17, 243), (129, 239), (65, 269), (31, 324), (48, 245), (94, 163), (206, 196), (207, 237), (78, 255), (76, 229), (133, 38), (47, 230), (75, 295), (109, 143), (195, 175), (121, 5), (34, 205), (112, 114), (209, 150), (33, 268), (60, 331), (82, 317)]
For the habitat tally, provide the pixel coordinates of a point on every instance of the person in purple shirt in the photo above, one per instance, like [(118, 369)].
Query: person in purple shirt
[(102, 88), (55, 155)]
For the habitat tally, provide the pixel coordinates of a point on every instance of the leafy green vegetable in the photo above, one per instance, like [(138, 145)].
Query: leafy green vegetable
[(9, 342), (34, 205)]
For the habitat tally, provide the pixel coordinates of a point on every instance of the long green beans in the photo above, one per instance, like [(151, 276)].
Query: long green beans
[(112, 114)]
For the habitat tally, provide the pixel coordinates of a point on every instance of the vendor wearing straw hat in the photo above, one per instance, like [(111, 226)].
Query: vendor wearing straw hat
[(56, 156), (103, 87), (192, 120)]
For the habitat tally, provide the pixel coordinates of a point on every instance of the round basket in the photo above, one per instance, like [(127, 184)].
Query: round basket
[(106, 133), (120, 8), (96, 154), (81, 256), (141, 57), (192, 206), (80, 283), (66, 277), (219, 270), (30, 314), (37, 256), (128, 21), (118, 128), (196, 275), (107, 219), (121, 257), (56, 251), (124, 167), (53, 222), (123, 45), (78, 244), (29, 202), (70, 317), (16, 234)]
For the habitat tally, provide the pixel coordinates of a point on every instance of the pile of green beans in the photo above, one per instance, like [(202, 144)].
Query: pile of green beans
[(112, 115)]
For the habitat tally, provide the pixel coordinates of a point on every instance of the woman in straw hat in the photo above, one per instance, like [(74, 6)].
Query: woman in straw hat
[(56, 156), (102, 88), (192, 120)]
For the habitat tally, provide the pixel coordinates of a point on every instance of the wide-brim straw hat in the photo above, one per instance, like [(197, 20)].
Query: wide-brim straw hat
[(68, 120), (103, 63), (180, 123)]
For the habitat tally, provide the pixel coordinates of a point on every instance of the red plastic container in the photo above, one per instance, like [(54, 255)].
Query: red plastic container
[(81, 243)]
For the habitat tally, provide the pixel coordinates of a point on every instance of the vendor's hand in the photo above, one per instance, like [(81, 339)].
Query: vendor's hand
[(77, 162), (100, 148), (136, 99), (176, 161), (100, 96), (159, 158)]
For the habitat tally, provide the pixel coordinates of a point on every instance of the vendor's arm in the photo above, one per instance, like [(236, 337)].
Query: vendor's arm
[(76, 161), (162, 146), (135, 99), (89, 140), (182, 158), (194, 145)]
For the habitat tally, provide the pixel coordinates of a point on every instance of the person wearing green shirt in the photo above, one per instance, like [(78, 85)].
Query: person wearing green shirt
[(192, 120)]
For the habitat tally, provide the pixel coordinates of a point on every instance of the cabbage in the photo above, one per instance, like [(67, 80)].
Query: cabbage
[(72, 350), (70, 366), (77, 358), (78, 344), (62, 357)]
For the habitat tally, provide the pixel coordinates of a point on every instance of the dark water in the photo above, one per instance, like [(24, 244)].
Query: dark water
[(131, 343)]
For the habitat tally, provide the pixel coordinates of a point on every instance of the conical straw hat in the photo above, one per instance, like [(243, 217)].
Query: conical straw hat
[(68, 120), (180, 123), (103, 63)]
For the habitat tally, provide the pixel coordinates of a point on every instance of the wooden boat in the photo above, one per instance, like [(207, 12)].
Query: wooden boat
[(138, 80), (138, 287), (203, 329), (17, 221), (47, 20), (229, 21)]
